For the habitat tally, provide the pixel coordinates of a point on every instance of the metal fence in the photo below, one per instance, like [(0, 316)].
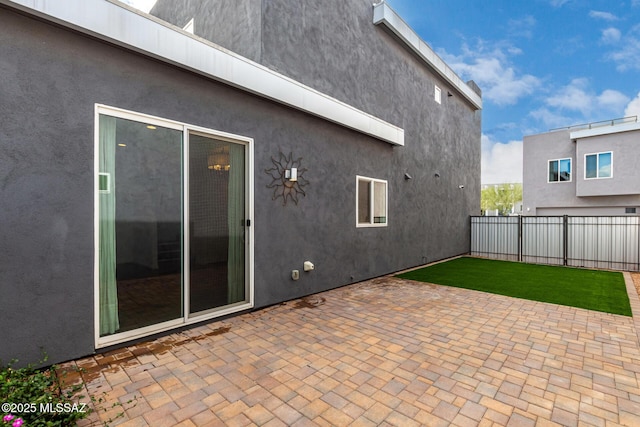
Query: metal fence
[(608, 242)]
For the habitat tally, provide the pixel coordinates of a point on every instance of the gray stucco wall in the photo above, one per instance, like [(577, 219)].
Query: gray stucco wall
[(579, 196), (233, 24), (51, 80), (334, 47), (46, 191)]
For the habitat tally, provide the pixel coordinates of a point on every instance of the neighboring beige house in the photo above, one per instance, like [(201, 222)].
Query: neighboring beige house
[(583, 170)]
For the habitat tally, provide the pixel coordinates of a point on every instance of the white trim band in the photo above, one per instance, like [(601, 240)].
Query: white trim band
[(604, 130)]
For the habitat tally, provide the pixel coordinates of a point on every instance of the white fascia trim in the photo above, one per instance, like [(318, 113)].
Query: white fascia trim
[(604, 130), (383, 14), (124, 26)]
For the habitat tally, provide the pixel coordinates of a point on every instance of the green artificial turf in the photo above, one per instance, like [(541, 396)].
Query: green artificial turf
[(591, 289)]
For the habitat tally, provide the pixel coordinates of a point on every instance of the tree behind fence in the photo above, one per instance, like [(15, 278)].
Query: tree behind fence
[(610, 242)]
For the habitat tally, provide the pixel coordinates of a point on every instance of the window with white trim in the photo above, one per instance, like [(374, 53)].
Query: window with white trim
[(598, 165), (371, 202), (559, 170), (437, 94)]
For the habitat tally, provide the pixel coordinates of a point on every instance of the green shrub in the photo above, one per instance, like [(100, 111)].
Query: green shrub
[(38, 397)]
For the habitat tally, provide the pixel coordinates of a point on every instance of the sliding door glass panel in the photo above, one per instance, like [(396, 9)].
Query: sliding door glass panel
[(591, 166), (364, 204), (216, 223), (604, 165), (565, 170), (379, 202), (553, 171), (140, 225)]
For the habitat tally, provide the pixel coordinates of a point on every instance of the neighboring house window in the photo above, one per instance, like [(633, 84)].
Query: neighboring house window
[(630, 210), (189, 28), (371, 202), (598, 165), (437, 95), (559, 170)]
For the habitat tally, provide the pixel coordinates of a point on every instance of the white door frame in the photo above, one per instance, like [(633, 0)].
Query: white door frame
[(249, 208)]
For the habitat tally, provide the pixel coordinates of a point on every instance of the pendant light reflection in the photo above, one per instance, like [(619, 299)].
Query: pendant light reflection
[(219, 159)]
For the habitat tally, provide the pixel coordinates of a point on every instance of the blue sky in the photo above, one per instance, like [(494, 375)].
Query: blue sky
[(541, 64)]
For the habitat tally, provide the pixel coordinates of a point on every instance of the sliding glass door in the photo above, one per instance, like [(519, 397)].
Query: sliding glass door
[(171, 225)]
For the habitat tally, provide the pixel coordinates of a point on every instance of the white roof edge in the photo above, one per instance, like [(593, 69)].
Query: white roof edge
[(384, 14), (604, 130), (117, 23)]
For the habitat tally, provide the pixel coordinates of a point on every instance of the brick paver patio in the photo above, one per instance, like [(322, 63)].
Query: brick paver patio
[(382, 352)]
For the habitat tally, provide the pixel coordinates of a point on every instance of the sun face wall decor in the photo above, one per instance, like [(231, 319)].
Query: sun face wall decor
[(287, 178)]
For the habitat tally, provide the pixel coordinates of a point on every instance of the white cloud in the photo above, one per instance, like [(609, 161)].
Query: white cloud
[(558, 3), (607, 16), (628, 56), (511, 88), (577, 103), (522, 27), (501, 163), (572, 97), (577, 96), (633, 108), (551, 119), (491, 70), (611, 35), (612, 100)]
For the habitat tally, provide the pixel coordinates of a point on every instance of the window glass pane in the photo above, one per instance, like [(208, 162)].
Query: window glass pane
[(604, 165), (591, 166), (364, 214), (140, 225), (380, 202), (565, 170), (553, 170), (216, 223)]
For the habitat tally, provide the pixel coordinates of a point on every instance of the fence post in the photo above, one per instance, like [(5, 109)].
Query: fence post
[(520, 238), (470, 233), (565, 239)]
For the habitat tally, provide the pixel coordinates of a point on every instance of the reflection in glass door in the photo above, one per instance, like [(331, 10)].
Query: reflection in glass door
[(171, 222), (216, 223)]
